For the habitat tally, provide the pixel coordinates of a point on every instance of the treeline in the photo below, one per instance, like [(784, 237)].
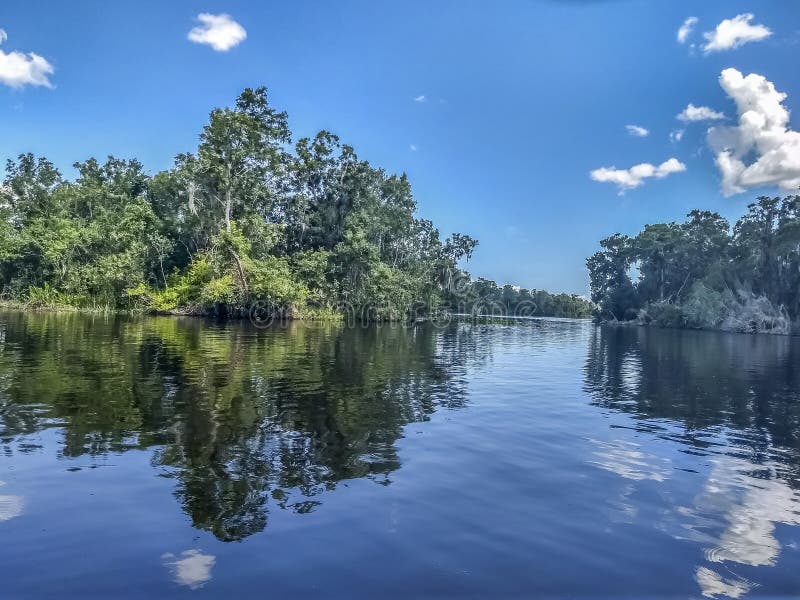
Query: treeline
[(248, 218), (244, 219), (705, 274), (485, 297)]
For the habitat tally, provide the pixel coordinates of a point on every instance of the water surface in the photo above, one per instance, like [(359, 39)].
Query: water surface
[(173, 458)]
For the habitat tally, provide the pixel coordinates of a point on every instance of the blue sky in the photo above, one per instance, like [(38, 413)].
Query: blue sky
[(522, 101)]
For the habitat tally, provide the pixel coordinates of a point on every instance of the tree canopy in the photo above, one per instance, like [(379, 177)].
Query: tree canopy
[(304, 229), (704, 274)]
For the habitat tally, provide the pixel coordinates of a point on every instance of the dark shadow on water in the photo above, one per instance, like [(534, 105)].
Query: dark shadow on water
[(748, 385)]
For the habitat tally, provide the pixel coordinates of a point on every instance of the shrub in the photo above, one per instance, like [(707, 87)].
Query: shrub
[(663, 314), (705, 307), (220, 290), (756, 314)]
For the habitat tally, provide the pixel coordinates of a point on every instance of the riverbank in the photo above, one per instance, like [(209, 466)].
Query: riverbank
[(261, 318), (310, 314), (792, 330), (45, 308)]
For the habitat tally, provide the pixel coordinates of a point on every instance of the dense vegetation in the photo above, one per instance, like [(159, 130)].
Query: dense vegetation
[(307, 230), (703, 274), (485, 297)]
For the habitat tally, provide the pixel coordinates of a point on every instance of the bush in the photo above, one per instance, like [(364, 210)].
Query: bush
[(311, 267), (756, 314), (43, 297), (220, 290), (662, 314), (705, 307), (271, 280), (181, 289)]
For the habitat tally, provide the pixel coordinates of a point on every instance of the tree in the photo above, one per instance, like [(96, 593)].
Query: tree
[(240, 160), (244, 219), (27, 191), (611, 287), (700, 274)]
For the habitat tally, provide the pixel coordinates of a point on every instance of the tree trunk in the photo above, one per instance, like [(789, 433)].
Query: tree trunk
[(241, 274), (228, 201)]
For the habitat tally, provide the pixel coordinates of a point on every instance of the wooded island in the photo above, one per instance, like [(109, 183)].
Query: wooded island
[(309, 230)]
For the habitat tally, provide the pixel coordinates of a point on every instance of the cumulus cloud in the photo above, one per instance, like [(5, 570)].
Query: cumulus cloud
[(421, 98), (699, 113), (220, 32), (637, 130), (627, 179), (676, 135), (686, 29), (735, 32), (18, 69), (762, 149)]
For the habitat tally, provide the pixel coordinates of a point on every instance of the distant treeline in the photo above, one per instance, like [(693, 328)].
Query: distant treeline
[(307, 230), (705, 274), (484, 297)]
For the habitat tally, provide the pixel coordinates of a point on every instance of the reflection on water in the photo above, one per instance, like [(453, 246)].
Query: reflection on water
[(736, 401), (241, 418), (469, 461), (700, 379), (749, 505), (10, 506), (191, 568), (627, 460)]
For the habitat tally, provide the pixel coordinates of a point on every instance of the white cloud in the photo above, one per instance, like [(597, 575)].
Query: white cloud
[(686, 29), (637, 130), (192, 569), (421, 98), (220, 32), (735, 32), (699, 113), (762, 137), (676, 135), (18, 69), (627, 179), (413, 148)]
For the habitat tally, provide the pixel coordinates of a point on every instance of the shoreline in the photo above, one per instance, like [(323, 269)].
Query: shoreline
[(322, 316), (24, 307), (794, 332)]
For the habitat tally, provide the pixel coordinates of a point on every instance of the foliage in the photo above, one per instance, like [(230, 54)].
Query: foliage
[(245, 218), (701, 274), (484, 297)]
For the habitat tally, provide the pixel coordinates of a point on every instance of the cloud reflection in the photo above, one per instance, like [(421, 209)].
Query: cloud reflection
[(712, 584), (10, 506), (750, 507), (191, 569), (627, 460)]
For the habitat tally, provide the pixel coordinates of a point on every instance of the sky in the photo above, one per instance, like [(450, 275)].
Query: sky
[(537, 127)]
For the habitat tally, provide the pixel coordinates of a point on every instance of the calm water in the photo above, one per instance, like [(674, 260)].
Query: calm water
[(178, 458)]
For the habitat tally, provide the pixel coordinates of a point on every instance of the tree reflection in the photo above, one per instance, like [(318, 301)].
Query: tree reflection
[(700, 379), (243, 419), (729, 397)]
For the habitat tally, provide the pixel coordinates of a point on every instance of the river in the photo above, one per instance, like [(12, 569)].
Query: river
[(170, 458)]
